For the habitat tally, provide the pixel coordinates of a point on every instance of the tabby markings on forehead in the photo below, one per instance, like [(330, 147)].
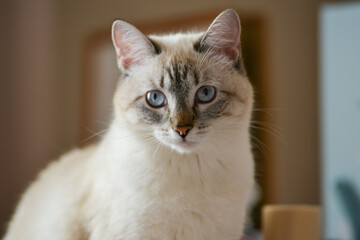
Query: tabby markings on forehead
[(179, 84), (196, 77), (162, 80)]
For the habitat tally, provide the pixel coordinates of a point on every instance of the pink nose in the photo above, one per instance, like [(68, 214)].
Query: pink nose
[(182, 130)]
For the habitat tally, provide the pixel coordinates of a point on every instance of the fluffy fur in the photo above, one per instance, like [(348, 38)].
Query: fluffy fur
[(144, 181)]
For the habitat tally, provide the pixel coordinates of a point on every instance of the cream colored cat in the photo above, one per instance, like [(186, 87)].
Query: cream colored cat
[(176, 162)]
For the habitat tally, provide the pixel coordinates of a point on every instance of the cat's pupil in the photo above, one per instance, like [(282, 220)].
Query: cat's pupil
[(205, 91), (155, 96)]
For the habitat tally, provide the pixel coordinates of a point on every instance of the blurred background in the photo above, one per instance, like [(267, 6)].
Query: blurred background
[(58, 72)]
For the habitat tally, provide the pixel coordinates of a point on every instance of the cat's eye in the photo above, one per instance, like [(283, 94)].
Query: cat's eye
[(155, 99), (205, 94)]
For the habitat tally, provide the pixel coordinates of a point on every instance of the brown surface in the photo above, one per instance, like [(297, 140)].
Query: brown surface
[(291, 222)]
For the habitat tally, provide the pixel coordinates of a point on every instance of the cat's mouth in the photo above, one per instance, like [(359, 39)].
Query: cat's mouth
[(184, 145)]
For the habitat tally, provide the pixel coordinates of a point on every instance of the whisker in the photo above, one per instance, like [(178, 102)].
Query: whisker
[(261, 146), (267, 128), (95, 134)]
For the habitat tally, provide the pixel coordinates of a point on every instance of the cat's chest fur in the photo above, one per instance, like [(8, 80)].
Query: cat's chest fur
[(165, 195)]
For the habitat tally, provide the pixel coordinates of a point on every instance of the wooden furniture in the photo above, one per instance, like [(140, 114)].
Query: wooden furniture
[(291, 222)]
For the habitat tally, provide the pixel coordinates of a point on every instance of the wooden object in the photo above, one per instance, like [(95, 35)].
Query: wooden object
[(291, 222)]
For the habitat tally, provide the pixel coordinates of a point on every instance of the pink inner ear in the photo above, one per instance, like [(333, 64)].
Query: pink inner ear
[(131, 45), (232, 52), (123, 50), (223, 35), (124, 55), (130, 57)]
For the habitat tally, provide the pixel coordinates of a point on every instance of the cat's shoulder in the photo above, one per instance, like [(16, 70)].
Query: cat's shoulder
[(65, 171), (47, 203), (70, 161)]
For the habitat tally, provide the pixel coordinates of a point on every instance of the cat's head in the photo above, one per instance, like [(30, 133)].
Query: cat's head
[(183, 89)]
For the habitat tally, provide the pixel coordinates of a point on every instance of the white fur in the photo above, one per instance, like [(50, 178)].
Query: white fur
[(123, 190), (135, 185)]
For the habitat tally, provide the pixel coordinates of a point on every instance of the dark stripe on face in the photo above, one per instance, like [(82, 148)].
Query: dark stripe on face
[(177, 74), (196, 77), (162, 80), (168, 70), (179, 84), (185, 71), (149, 115), (213, 111)]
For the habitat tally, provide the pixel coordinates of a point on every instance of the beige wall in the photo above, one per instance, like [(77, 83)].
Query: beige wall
[(28, 114), (40, 86)]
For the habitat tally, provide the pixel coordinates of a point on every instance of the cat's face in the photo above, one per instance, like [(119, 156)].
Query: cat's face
[(179, 89)]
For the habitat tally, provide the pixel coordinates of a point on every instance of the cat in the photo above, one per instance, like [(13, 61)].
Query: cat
[(176, 162)]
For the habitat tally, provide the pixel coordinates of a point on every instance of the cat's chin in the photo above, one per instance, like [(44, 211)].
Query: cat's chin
[(184, 146)]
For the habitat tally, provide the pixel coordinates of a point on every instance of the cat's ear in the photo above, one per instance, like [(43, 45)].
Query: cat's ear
[(223, 36), (131, 46)]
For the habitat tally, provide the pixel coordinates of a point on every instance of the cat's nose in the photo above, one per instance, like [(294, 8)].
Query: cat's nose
[(182, 130)]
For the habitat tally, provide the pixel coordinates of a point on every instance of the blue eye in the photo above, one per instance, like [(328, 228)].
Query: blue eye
[(155, 99), (205, 94)]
